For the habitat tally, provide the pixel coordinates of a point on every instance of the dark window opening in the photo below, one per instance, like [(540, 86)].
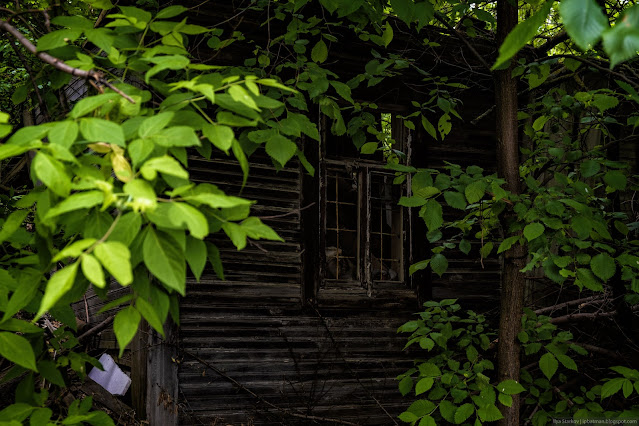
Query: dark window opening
[(385, 229), (342, 225)]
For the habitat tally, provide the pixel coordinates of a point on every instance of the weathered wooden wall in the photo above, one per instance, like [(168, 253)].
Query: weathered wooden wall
[(334, 359)]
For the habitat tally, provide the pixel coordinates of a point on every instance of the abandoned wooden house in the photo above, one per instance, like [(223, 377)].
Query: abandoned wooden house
[(305, 329)]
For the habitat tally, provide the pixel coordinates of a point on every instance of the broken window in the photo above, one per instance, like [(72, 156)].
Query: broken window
[(363, 224)]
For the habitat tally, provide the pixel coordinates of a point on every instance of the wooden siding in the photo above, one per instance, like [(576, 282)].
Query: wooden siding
[(336, 359)]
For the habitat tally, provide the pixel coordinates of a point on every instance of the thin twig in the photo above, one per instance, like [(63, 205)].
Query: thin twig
[(339, 353), (96, 329), (459, 35), (289, 213), (261, 399)]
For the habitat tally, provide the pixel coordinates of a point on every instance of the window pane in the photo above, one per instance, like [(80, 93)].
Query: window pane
[(342, 226), (385, 229)]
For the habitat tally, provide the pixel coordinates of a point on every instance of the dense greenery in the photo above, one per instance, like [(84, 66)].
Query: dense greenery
[(109, 194)]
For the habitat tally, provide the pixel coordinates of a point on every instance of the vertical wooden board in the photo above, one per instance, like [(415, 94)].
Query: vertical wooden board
[(139, 370), (162, 377)]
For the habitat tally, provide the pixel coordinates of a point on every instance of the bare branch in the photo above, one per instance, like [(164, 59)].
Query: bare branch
[(568, 303), (95, 76), (587, 316)]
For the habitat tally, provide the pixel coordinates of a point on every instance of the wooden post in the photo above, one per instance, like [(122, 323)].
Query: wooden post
[(162, 377)]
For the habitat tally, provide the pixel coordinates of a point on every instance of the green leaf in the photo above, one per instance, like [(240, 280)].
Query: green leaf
[(152, 125), (213, 254), (343, 90), (587, 279), (12, 224), (150, 315), (475, 191), (489, 413), (48, 370), (8, 151), (99, 130), (77, 201), (404, 9), (92, 270), (17, 350), (411, 201), (548, 364), (424, 13), (615, 179), (196, 256), (58, 38), (102, 38), (239, 94), (218, 201), (176, 136), (418, 266), (432, 214), (603, 266), (464, 246), (144, 197), (52, 173), (463, 413), (522, 34), (192, 218), (221, 136), (584, 21), (589, 168), (439, 264), (455, 199), (319, 53), (534, 230), (408, 417), (90, 104), (428, 126), (424, 385), (611, 387), (165, 260), (63, 133), (604, 102), (505, 400), (14, 324), (29, 282), (369, 148), (566, 361), (405, 385), (507, 243), (115, 257), (172, 62), (59, 284), (621, 42), (254, 228), (510, 387), (167, 165), (486, 249), (125, 326), (170, 12), (447, 410), (281, 149)]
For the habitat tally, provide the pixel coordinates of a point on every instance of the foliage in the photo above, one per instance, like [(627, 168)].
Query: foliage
[(111, 202)]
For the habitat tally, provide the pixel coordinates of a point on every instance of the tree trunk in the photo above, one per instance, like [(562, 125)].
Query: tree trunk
[(512, 284)]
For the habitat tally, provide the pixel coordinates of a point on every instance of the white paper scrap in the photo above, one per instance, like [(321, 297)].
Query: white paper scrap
[(112, 378)]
